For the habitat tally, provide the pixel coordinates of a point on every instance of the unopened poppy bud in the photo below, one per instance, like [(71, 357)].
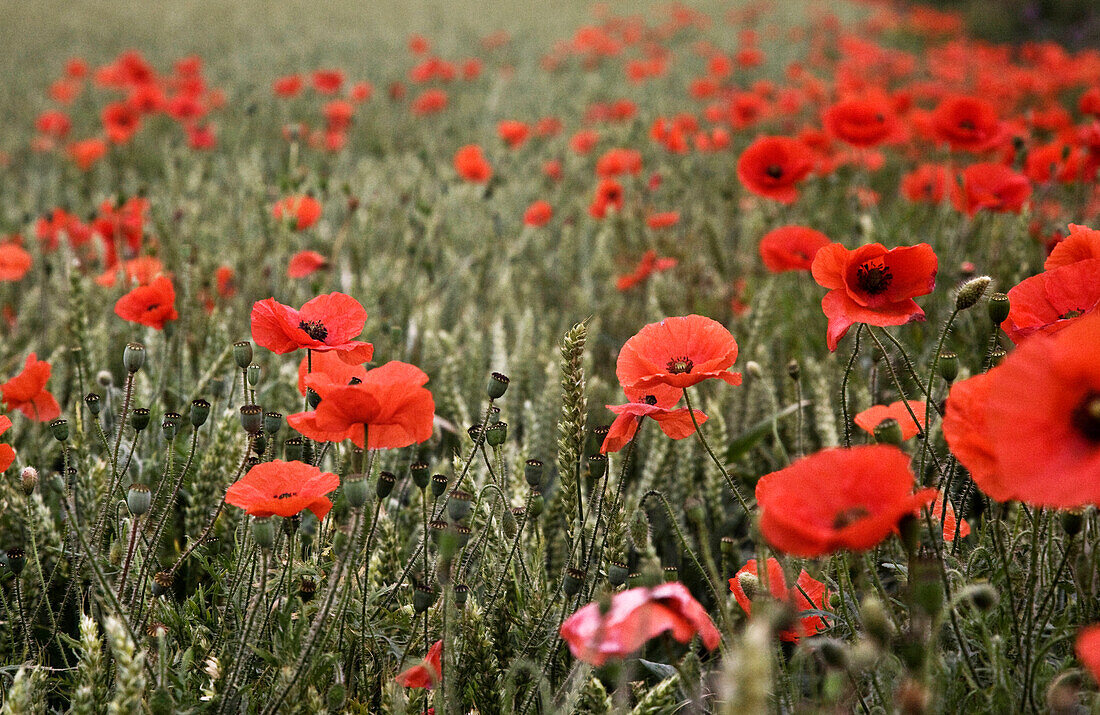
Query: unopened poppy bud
[(312, 398), (597, 466), (307, 589), (253, 375), (997, 357), (981, 595), (273, 422), (753, 370), (888, 432), (1071, 519), (28, 478), (498, 385), (420, 475), (532, 472), (794, 371), (17, 559), (242, 353), (162, 583), (536, 504), (423, 598), (909, 529), (458, 506), (94, 403), (1064, 693), (639, 530), (200, 411), (971, 292), (574, 579), (384, 485), (949, 365), (617, 573), (59, 428), (497, 434), (998, 308), (671, 574), (749, 583), (252, 418), (439, 484), (133, 357), (832, 652), (876, 621), (104, 378), (696, 513), (355, 489), (292, 449), (138, 499), (461, 593)]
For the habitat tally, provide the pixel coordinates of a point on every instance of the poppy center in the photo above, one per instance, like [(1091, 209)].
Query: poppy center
[(285, 495), (678, 366), (774, 171), (314, 329), (873, 278), (1075, 313), (849, 516), (967, 124), (650, 400), (1086, 417)]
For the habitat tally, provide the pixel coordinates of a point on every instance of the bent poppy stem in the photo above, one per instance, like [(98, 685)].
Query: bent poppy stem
[(844, 389), (931, 382), (714, 457)]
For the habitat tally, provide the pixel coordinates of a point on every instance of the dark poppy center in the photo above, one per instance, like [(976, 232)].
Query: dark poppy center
[(1075, 313), (678, 366), (355, 381), (650, 400), (774, 171), (1086, 417), (967, 124), (285, 495), (314, 329), (873, 278), (849, 516)]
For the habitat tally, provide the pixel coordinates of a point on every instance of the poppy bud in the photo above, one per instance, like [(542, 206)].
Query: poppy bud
[(252, 418), (913, 696), (671, 574), (793, 370), (28, 478), (498, 385), (508, 523), (832, 652), (997, 357), (597, 466), (355, 489), (1071, 519), (60, 429), (462, 592), (242, 353), (419, 471), (696, 513), (536, 504), (273, 422), (981, 595), (639, 530), (458, 506), (312, 398), (753, 370), (139, 418), (617, 573), (750, 584), (423, 598), (876, 621), (971, 292), (253, 375), (532, 472), (263, 530), (17, 559), (138, 499), (200, 411), (574, 579), (496, 434), (162, 583), (133, 357), (888, 432), (998, 308), (949, 366), (94, 403), (104, 378), (306, 589), (292, 449), (384, 485)]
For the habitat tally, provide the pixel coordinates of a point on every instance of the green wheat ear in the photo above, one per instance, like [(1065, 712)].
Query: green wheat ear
[(571, 423), (129, 688)]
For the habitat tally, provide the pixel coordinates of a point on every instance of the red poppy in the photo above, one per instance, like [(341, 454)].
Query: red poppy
[(991, 186), (926, 184), (142, 270), (326, 323), (616, 162), (870, 418), (838, 499), (225, 279), (7, 453), (53, 123), (950, 520), (538, 214), (471, 164), (649, 265), (513, 133), (14, 262), (87, 152), (429, 102), (609, 195), (967, 123), (27, 391), (1052, 300), (427, 674), (1056, 160), (637, 615), (583, 141), (390, 405), (1082, 244), (872, 285), (288, 86), (678, 352), (657, 402), (809, 594), (120, 122), (772, 166), (328, 81), (862, 121), (791, 248), (1029, 429), (152, 305), (304, 263), (665, 219), (303, 210), (284, 489), (332, 367), (1087, 648)]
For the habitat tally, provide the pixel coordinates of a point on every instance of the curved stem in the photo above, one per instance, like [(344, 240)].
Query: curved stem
[(844, 389), (714, 457)]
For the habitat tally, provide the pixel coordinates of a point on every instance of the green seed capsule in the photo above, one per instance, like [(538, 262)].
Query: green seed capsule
[(496, 434), (617, 573), (253, 375), (458, 506), (133, 357), (498, 385), (532, 472), (384, 485), (252, 418), (138, 499), (273, 422), (94, 403), (263, 530), (17, 559), (139, 418), (292, 449), (162, 583), (439, 484), (355, 489), (200, 411), (420, 475), (597, 466), (423, 598), (574, 579), (242, 353), (949, 366), (59, 428), (998, 308), (888, 432)]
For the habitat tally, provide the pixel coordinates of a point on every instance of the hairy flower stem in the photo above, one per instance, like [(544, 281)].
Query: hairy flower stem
[(129, 394), (243, 656), (27, 648), (844, 389), (45, 597), (931, 381), (1000, 548), (1032, 585), (714, 457)]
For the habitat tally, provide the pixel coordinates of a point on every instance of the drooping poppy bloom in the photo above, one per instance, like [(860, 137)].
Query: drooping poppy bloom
[(301, 211), (391, 406), (967, 123), (7, 453), (538, 214), (284, 489), (636, 616), (838, 498), (427, 674), (326, 323), (873, 416), (1029, 429), (304, 263), (657, 402), (809, 594), (471, 165), (1082, 244), (332, 366), (1087, 649), (772, 167), (14, 262), (649, 265), (1052, 300), (992, 187), (791, 248), (27, 391), (862, 121), (678, 352), (152, 305)]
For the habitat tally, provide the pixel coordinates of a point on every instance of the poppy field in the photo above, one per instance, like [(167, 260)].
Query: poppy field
[(639, 357)]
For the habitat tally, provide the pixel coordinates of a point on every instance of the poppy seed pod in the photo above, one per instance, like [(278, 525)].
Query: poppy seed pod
[(980, 595), (252, 418), (671, 574), (253, 375), (139, 418), (496, 434), (162, 583), (536, 503), (200, 412), (876, 621), (384, 485), (138, 499), (59, 428), (617, 573), (292, 449), (1072, 521), (998, 308), (306, 589), (273, 422), (169, 428), (949, 366), (474, 431), (532, 472), (888, 432), (794, 371), (438, 531), (28, 478), (574, 579), (458, 506), (971, 292), (439, 484), (312, 398), (133, 357), (423, 598), (419, 471), (17, 559), (94, 403), (355, 489), (242, 353), (597, 466), (498, 385), (997, 357), (462, 593)]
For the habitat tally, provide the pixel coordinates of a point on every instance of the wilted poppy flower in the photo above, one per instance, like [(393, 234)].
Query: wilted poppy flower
[(7, 453), (152, 305), (657, 402), (872, 417), (471, 164), (838, 499), (302, 210), (538, 214), (928, 183), (285, 489), (637, 615), (1082, 244), (967, 123), (808, 595), (14, 262), (791, 248), (326, 323), (678, 352), (993, 187), (772, 166), (27, 391), (649, 265), (1029, 429), (1087, 649), (427, 674), (862, 121), (1052, 300), (304, 263), (390, 405)]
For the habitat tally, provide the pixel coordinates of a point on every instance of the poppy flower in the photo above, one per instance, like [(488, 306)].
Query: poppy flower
[(609, 195), (120, 122), (1052, 300), (326, 323), (950, 519), (27, 391), (862, 121), (86, 152), (288, 86), (616, 162), (870, 418), (1082, 244), (872, 285), (1087, 649), (427, 674), (304, 263), (429, 102), (303, 211), (791, 248), (513, 133), (7, 453), (471, 164), (332, 367), (538, 214), (152, 305), (678, 352), (14, 262), (838, 498), (993, 187), (772, 166), (926, 184), (967, 123), (664, 219), (284, 489), (1029, 429), (142, 270), (649, 265), (809, 594), (637, 615), (225, 279), (328, 81), (390, 405), (583, 141), (656, 402)]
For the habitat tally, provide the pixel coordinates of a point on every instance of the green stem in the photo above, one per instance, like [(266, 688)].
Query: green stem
[(714, 457)]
